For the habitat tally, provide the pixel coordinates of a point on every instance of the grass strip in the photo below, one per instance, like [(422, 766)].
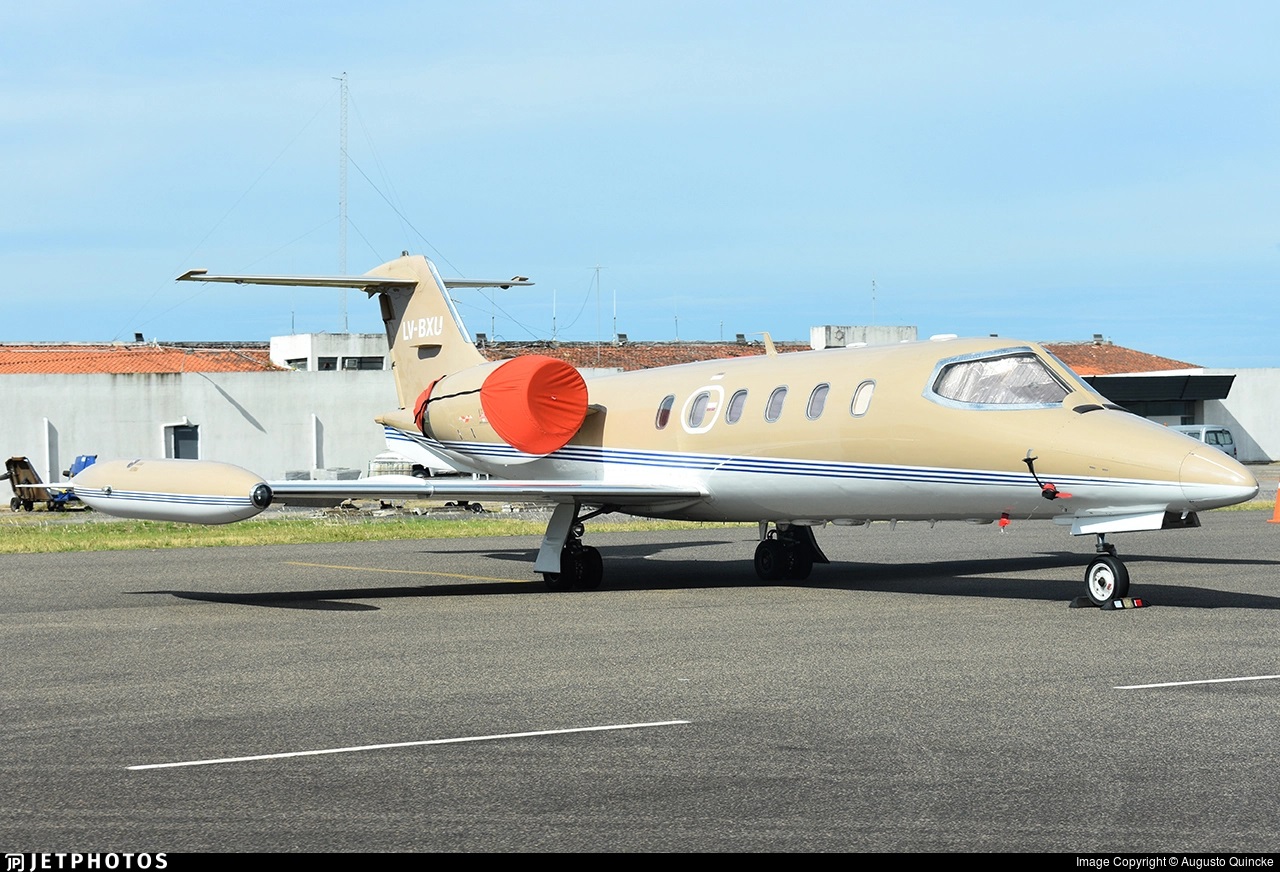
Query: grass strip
[(36, 534)]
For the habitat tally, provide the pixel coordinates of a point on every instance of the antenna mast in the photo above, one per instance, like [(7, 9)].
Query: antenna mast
[(342, 192)]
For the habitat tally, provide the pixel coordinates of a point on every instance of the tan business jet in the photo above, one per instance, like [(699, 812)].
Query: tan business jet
[(983, 430)]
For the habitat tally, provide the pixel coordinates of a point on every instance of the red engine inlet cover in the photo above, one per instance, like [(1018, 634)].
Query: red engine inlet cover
[(535, 403)]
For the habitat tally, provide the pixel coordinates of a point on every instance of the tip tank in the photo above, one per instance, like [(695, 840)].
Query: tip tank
[(192, 491)]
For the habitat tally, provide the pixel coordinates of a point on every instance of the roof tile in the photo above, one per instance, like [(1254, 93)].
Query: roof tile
[(123, 359)]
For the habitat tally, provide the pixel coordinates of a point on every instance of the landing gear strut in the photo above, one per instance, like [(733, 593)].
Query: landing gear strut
[(1106, 580), (787, 552), (579, 566)]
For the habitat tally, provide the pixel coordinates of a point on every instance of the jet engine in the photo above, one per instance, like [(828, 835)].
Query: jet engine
[(533, 403)]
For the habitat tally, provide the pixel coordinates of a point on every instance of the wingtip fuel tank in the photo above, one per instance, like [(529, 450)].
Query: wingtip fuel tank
[(191, 491)]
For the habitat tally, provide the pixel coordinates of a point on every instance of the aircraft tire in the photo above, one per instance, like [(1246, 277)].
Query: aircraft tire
[(771, 560), (800, 563), (1106, 580), (580, 569), (591, 568), (15, 504), (29, 505)]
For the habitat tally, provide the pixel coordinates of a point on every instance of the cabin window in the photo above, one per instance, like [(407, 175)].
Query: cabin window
[(862, 399), (1007, 381), (817, 400), (664, 411), (773, 410), (698, 409), (736, 403)]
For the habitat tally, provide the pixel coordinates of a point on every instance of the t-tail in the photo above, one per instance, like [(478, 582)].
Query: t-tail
[(425, 333)]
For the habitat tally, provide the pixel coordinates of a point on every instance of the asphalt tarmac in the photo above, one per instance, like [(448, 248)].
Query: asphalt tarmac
[(930, 690)]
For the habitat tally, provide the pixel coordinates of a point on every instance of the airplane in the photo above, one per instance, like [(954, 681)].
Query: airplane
[(984, 430)]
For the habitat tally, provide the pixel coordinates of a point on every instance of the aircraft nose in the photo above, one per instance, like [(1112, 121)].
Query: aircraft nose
[(1211, 479)]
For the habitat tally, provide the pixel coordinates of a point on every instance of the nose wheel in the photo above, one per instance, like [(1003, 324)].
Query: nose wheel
[(1106, 580)]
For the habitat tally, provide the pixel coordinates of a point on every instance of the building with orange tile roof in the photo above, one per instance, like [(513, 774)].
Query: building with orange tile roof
[(121, 358)]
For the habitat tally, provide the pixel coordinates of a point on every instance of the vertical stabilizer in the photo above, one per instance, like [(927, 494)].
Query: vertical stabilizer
[(424, 331)]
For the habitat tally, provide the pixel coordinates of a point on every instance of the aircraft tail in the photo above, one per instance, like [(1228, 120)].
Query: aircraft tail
[(426, 336), (425, 333)]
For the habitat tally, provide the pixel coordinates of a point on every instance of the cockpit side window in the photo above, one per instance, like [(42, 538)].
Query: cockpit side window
[(1000, 381)]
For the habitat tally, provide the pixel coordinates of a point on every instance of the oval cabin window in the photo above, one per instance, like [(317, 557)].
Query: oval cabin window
[(817, 400), (698, 409), (773, 410), (736, 404), (862, 399), (664, 412)]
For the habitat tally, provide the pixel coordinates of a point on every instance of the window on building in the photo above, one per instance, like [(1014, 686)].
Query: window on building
[(182, 441), (299, 364), (350, 363), (327, 364)]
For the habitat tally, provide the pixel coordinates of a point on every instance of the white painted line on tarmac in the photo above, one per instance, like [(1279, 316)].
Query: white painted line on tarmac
[(1202, 681), (454, 741)]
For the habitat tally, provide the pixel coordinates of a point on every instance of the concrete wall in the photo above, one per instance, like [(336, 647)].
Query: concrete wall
[(837, 336), (1251, 411), (312, 346), (268, 422)]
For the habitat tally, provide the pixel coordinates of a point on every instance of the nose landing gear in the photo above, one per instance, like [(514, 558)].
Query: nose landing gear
[(1106, 580)]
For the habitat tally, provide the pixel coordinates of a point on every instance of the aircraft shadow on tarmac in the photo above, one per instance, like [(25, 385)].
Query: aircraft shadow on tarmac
[(964, 578)]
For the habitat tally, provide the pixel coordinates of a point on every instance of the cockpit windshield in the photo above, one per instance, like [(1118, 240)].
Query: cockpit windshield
[(1004, 380)]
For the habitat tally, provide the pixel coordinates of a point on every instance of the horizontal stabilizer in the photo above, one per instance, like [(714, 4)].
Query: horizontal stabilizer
[(364, 283)]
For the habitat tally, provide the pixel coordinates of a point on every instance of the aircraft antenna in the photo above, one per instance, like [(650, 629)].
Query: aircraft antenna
[(598, 314), (342, 192)]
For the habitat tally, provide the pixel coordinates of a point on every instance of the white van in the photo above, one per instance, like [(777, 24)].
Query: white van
[(1210, 434)]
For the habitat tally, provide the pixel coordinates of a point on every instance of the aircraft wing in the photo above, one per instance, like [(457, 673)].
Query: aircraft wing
[(408, 487), (210, 492)]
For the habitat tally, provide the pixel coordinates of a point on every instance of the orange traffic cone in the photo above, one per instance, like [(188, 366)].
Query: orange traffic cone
[(1275, 514)]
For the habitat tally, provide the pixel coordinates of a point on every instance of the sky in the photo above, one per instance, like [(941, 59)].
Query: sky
[(1044, 171)]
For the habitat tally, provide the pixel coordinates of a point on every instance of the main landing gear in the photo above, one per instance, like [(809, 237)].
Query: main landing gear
[(581, 567), (576, 566), (1106, 580), (787, 552)]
